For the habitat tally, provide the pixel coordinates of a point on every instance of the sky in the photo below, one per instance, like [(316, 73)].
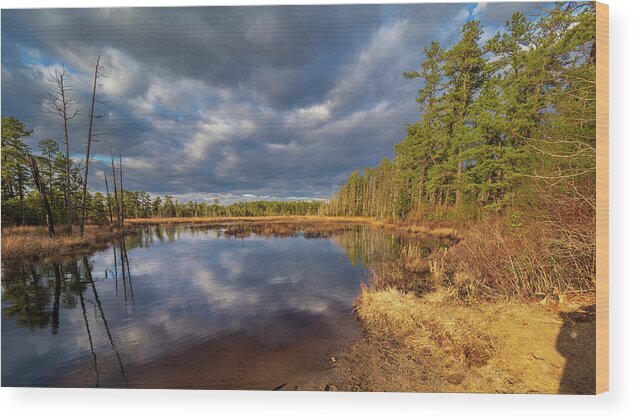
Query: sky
[(233, 103)]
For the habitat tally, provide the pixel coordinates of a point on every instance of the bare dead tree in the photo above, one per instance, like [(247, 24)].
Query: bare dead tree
[(42, 190), (60, 101), (116, 197), (121, 189), (89, 140), (105, 177)]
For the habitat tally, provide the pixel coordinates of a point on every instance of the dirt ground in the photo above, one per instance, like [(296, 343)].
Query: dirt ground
[(537, 350)]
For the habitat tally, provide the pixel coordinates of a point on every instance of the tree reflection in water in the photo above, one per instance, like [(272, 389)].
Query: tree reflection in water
[(194, 284), (35, 292)]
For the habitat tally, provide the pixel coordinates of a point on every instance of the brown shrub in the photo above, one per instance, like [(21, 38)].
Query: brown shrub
[(495, 259)]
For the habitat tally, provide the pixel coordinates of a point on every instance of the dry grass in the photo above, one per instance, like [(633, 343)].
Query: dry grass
[(283, 228), (416, 270), (254, 219), (413, 258), (509, 347), (495, 261), (417, 228), (391, 274), (32, 242), (428, 308), (426, 326), (412, 228)]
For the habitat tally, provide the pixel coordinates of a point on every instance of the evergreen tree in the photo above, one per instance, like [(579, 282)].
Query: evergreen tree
[(497, 122)]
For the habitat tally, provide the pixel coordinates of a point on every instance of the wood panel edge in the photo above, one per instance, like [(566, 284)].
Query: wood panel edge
[(602, 197)]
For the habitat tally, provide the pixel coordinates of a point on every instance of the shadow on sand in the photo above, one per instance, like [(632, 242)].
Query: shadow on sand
[(577, 343)]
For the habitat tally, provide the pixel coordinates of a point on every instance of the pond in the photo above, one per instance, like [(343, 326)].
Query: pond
[(188, 307)]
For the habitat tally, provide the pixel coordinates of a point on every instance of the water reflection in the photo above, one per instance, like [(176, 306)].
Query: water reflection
[(118, 317)]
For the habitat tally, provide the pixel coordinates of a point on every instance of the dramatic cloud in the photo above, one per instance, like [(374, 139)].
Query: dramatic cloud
[(235, 103)]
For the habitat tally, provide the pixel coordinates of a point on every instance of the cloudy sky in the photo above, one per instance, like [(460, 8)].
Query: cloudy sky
[(235, 103)]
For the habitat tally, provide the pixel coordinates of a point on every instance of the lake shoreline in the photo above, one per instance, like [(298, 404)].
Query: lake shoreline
[(420, 333), (431, 324), (461, 344), (32, 243)]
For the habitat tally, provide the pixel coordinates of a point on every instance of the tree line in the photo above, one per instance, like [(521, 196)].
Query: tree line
[(139, 204), (22, 200), (505, 122)]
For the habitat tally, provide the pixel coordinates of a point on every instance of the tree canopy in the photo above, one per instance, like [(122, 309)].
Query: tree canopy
[(498, 118)]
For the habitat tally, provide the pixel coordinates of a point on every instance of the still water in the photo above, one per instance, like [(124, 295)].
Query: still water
[(187, 307)]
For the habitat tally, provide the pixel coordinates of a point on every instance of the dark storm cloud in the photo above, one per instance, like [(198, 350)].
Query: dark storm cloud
[(233, 102)]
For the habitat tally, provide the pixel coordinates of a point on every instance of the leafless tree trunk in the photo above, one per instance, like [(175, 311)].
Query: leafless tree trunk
[(89, 140), (121, 189), (40, 187), (116, 197), (60, 102), (105, 177), (21, 192)]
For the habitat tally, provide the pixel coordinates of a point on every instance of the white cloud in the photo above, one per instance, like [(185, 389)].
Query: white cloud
[(308, 116), (213, 130), (121, 73), (480, 8), (367, 71)]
